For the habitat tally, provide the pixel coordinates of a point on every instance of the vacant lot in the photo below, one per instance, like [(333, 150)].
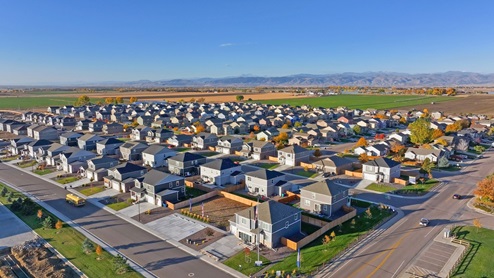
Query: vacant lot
[(219, 210)]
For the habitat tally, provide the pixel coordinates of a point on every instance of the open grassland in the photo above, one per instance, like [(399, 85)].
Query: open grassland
[(361, 101), (24, 103)]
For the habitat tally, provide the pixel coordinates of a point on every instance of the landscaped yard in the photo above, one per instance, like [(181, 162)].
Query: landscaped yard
[(315, 254), (268, 166), (44, 171), (68, 242), (91, 190), (307, 174), (219, 210), (477, 262), (66, 180), (120, 205), (182, 149), (10, 158), (208, 154), (418, 188), (25, 164), (379, 187), (245, 263)]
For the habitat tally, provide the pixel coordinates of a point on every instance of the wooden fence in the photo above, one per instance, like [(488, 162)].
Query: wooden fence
[(400, 181), (195, 200), (237, 198), (308, 165), (288, 199), (308, 239), (461, 257), (273, 158), (234, 187), (353, 174), (313, 221)]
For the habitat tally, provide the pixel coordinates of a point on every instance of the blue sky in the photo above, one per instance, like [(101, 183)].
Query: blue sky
[(68, 41)]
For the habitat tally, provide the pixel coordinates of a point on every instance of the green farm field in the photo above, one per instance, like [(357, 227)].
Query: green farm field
[(361, 102), (25, 103)]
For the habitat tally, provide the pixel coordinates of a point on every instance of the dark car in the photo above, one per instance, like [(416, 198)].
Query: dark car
[(456, 196), (326, 175)]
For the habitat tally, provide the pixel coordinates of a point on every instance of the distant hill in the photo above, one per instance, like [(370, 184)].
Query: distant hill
[(373, 79)]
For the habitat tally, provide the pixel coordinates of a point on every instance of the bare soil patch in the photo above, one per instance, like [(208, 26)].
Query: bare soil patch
[(202, 239), (220, 210), (155, 214)]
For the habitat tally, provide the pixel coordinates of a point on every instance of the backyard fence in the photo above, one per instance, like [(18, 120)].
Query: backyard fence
[(273, 158), (353, 174), (461, 257)]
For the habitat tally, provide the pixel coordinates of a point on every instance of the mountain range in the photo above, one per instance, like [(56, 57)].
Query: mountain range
[(373, 79)]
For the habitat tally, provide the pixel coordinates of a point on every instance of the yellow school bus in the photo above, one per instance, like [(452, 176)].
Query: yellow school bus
[(75, 200)]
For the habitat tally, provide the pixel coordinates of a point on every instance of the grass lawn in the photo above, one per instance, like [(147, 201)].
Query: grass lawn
[(194, 191), (360, 204), (90, 190), (268, 166), (120, 205), (44, 171), (246, 263), (26, 164), (307, 174), (67, 180), (33, 102), (360, 101), (315, 254), (479, 257), (418, 188), (208, 154), (10, 158), (380, 187), (68, 242), (182, 149)]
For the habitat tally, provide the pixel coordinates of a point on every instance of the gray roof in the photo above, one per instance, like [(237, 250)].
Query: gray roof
[(155, 149), (334, 161), (128, 167), (184, 157), (270, 212), (220, 164), (264, 174), (294, 149), (154, 177), (422, 151), (325, 187), (382, 162), (260, 144), (110, 141)]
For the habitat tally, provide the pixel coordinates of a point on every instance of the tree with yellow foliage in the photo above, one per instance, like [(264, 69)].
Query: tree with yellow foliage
[(437, 133), (363, 157), (361, 142), (119, 100), (133, 99), (109, 100)]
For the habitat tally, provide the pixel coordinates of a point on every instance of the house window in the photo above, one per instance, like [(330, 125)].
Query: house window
[(170, 185), (324, 207), (296, 217), (177, 183), (248, 178), (313, 195), (307, 202), (287, 223), (244, 221)]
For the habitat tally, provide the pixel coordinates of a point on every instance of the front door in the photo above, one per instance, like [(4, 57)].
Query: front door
[(245, 237), (317, 208)]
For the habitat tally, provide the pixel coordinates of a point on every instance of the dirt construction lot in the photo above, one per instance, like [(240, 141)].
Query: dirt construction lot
[(478, 104), (219, 210)]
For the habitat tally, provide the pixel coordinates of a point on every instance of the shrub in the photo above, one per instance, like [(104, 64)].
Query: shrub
[(120, 265), (87, 246), (209, 232), (48, 222)]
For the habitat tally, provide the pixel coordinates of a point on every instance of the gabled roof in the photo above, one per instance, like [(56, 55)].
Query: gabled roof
[(41, 142), (185, 157), (334, 160), (264, 174), (294, 149), (89, 136), (131, 145), (155, 149), (155, 177), (423, 151), (110, 141), (128, 167), (325, 187), (220, 164), (382, 162), (269, 212), (102, 160)]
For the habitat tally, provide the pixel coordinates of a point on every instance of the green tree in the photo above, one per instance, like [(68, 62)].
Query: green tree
[(297, 124), (317, 153), (421, 132), (357, 129), (443, 162), (479, 148), (4, 191), (239, 97), (48, 222), (120, 265), (87, 246), (427, 167)]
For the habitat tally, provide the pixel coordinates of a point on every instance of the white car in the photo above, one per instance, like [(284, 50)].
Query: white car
[(424, 222)]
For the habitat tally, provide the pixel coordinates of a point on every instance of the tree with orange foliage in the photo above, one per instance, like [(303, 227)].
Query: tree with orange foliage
[(361, 142), (281, 138), (119, 100), (252, 135), (381, 116), (285, 126), (200, 128), (442, 141), (437, 133), (397, 148), (363, 157), (109, 100), (98, 250), (485, 188), (256, 128), (133, 99), (58, 225)]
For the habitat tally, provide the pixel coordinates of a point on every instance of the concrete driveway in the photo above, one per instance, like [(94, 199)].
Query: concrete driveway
[(16, 232), (182, 226)]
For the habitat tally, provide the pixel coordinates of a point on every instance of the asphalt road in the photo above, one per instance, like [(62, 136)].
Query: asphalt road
[(393, 251), (154, 254)]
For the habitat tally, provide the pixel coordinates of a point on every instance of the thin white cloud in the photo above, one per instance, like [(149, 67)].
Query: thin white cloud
[(227, 44)]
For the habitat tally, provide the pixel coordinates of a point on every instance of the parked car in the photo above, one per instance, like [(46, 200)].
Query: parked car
[(456, 196), (424, 222), (326, 175)]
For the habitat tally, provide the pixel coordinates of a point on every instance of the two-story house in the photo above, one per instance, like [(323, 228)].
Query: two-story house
[(122, 177), (51, 155), (45, 132), (263, 150), (109, 146), (156, 156), (221, 172), (34, 146), (323, 197), (293, 155), (185, 164), (204, 140), (88, 141), (229, 144), (381, 170), (179, 140), (334, 165), (159, 136), (270, 221), (70, 138), (156, 187), (264, 182), (73, 159), (131, 151), (112, 128), (97, 168)]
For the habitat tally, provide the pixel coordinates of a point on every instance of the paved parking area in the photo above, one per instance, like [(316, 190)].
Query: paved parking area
[(433, 259), (225, 247), (16, 232), (182, 227)]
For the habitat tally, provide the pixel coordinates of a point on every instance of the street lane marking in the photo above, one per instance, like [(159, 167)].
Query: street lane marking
[(430, 231), (394, 274), (398, 243), (393, 248)]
